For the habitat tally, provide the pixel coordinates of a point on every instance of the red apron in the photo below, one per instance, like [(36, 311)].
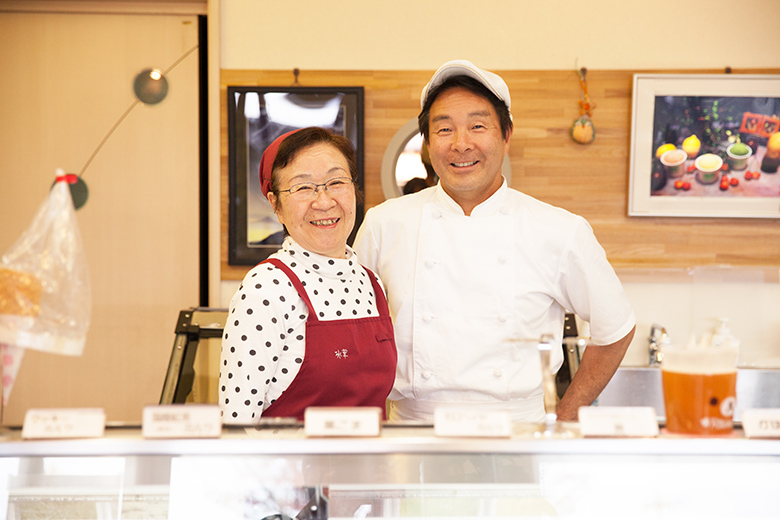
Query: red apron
[(347, 362)]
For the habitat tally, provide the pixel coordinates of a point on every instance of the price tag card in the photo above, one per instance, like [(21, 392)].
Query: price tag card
[(450, 421), (63, 423), (359, 421), (180, 421), (618, 421), (761, 422)]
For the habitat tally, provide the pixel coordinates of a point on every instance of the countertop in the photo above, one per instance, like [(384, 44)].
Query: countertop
[(393, 439)]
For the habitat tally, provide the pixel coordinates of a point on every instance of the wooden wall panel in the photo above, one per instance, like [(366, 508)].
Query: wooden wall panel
[(590, 180)]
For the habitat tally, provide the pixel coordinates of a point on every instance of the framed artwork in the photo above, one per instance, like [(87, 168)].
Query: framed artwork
[(257, 116), (705, 146)]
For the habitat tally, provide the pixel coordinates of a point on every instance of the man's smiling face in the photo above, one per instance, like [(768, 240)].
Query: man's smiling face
[(467, 146)]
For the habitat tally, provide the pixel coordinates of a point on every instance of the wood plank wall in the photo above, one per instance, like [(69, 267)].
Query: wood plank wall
[(590, 180)]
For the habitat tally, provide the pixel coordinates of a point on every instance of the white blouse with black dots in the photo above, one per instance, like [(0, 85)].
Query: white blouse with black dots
[(264, 340)]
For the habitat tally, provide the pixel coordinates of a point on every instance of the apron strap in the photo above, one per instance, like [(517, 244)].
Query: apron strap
[(381, 301), (296, 283)]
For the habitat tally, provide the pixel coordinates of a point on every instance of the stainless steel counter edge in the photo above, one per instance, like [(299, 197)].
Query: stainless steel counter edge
[(416, 441)]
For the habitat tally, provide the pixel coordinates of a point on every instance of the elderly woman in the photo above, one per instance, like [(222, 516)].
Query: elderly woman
[(310, 325)]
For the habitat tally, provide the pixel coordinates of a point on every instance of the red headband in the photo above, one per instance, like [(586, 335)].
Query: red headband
[(267, 162)]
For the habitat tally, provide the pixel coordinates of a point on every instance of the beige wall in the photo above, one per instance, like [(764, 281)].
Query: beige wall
[(66, 81), (500, 34)]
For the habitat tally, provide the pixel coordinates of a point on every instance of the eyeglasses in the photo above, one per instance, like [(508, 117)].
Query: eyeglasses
[(309, 190)]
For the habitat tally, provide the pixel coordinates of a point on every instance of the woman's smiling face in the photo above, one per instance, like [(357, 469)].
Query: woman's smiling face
[(319, 222)]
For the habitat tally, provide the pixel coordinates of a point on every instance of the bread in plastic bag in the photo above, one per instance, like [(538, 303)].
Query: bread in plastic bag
[(45, 298)]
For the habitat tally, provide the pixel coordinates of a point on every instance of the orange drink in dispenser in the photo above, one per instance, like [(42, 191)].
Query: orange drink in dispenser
[(700, 389)]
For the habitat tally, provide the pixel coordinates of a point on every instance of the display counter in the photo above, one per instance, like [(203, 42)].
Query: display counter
[(406, 472)]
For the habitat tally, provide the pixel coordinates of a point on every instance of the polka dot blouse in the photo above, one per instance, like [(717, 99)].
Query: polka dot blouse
[(264, 341)]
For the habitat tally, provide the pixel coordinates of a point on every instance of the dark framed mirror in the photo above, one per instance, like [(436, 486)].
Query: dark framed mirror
[(257, 116)]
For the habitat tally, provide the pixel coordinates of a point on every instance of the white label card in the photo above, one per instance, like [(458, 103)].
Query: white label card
[(182, 421), (63, 423), (450, 421), (359, 421), (618, 421), (761, 422)]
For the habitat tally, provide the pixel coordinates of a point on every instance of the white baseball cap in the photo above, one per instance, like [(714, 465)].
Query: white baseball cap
[(492, 81)]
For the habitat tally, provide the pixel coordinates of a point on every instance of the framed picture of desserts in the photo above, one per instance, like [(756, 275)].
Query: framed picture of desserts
[(705, 145)]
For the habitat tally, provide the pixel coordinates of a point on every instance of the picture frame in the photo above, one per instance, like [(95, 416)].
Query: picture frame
[(256, 116), (718, 110)]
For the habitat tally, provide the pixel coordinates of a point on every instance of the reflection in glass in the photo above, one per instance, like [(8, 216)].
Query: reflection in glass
[(410, 163), (413, 170)]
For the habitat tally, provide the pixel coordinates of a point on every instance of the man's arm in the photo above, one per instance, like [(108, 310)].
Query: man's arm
[(598, 365)]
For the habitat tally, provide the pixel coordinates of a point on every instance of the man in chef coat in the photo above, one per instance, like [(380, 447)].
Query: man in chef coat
[(474, 269)]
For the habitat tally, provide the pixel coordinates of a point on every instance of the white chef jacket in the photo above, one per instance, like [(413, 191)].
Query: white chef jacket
[(471, 295)]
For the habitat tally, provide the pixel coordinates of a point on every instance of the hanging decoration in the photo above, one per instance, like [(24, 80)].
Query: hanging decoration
[(583, 131)]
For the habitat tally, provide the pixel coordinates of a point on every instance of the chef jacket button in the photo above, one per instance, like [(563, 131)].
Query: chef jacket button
[(501, 259), (426, 375), (429, 263), (503, 317), (504, 210), (427, 318), (436, 213), (498, 373)]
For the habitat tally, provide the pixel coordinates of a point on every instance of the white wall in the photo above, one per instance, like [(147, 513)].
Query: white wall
[(688, 303)]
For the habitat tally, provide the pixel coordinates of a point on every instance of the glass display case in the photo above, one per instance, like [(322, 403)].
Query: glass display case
[(406, 472)]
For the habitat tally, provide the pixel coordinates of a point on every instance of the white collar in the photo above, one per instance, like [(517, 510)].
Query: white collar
[(324, 265), (487, 207)]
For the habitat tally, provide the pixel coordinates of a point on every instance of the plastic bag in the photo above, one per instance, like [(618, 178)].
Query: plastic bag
[(45, 298)]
